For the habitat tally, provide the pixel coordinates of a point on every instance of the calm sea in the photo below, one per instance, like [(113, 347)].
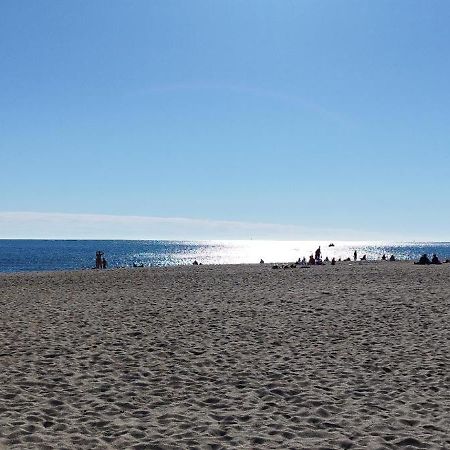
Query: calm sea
[(38, 255)]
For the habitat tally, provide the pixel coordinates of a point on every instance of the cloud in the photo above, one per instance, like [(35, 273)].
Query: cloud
[(39, 225), (287, 98)]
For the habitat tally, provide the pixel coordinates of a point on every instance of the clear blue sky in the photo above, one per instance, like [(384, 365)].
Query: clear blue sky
[(314, 114)]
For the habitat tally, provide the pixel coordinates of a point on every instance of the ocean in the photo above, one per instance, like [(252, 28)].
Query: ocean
[(44, 255)]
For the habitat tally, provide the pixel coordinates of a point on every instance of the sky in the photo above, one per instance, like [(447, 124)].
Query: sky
[(225, 119)]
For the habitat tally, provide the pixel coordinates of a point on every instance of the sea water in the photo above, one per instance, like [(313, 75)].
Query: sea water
[(42, 255)]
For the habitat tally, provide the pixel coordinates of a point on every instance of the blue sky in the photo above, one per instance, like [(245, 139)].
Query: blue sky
[(300, 115)]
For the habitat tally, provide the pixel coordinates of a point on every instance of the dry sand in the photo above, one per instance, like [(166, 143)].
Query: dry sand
[(352, 356)]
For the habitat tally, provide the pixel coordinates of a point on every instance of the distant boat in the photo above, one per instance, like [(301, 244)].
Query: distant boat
[(331, 245)]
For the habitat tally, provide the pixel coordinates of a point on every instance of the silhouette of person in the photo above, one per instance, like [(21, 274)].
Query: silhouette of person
[(392, 258), (383, 257), (424, 260), (104, 263), (435, 259), (311, 261), (333, 261), (318, 253), (355, 255), (98, 259), (261, 261)]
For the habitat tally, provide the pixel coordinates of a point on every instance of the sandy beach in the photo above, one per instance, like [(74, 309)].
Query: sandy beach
[(352, 356)]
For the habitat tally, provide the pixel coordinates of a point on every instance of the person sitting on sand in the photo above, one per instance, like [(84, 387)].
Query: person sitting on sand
[(261, 261), (435, 259), (326, 259), (195, 263), (364, 258), (104, 263), (312, 261), (333, 261), (383, 258), (424, 260), (392, 258)]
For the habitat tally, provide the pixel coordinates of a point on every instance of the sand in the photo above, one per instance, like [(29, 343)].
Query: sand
[(352, 356)]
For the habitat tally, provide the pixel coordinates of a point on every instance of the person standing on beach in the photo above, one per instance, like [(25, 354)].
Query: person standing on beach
[(98, 259), (104, 263), (355, 255), (318, 253)]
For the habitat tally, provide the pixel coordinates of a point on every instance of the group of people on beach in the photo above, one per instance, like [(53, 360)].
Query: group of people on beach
[(315, 259), (100, 261), (424, 260)]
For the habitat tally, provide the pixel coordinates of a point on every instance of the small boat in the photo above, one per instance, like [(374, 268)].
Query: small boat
[(331, 245)]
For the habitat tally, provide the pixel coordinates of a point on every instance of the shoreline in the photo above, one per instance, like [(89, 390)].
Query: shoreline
[(266, 264)]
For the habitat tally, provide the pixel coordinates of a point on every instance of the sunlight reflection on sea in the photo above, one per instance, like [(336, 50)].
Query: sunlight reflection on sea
[(38, 255)]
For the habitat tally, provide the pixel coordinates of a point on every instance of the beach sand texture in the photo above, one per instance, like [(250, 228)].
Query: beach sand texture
[(352, 356)]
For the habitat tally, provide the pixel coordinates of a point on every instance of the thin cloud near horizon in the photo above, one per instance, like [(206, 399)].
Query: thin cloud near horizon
[(51, 225)]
